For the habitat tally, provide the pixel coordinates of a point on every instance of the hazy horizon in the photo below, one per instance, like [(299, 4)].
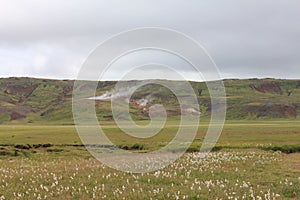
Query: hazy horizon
[(229, 78)]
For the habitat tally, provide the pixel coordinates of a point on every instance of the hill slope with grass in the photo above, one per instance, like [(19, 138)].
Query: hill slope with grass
[(29, 100)]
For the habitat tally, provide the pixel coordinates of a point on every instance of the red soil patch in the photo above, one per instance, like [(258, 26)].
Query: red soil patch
[(268, 87), (25, 90)]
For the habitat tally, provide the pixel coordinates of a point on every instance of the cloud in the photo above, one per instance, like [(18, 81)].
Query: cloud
[(52, 38)]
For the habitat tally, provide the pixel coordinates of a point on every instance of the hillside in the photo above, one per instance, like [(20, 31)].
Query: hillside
[(28, 100)]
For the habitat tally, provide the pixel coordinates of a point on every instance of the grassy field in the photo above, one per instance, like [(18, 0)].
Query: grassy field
[(240, 134), (49, 162)]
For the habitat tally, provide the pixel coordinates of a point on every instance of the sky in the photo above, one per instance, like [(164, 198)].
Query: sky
[(246, 39)]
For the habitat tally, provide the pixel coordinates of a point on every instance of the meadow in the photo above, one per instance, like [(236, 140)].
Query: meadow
[(256, 159)]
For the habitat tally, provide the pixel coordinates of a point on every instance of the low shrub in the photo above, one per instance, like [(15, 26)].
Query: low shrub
[(285, 148), (137, 146)]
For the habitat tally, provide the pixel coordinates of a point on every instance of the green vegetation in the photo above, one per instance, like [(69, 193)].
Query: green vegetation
[(267, 135), (50, 162), (38, 101), (284, 148), (256, 157), (74, 174)]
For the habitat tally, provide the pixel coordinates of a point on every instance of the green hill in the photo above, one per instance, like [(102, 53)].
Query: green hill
[(29, 100)]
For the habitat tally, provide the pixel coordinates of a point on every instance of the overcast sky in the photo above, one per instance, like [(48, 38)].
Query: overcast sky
[(52, 38)]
